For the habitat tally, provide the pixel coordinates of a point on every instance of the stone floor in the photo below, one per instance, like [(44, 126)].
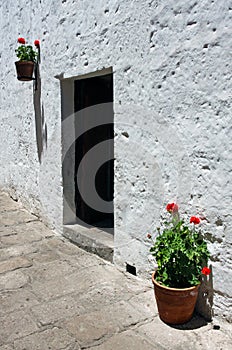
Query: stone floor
[(56, 296)]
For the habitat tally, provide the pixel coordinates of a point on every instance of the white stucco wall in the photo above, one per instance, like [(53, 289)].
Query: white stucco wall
[(172, 101)]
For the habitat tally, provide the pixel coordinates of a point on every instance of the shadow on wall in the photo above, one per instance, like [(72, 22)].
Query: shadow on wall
[(205, 297), (40, 125)]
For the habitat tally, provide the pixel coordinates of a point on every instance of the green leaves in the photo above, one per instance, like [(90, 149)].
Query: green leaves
[(180, 254), (26, 53)]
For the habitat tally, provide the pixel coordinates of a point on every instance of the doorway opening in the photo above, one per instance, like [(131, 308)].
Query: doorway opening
[(94, 151)]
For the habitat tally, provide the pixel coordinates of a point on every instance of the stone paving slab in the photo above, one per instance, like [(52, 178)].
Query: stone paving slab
[(79, 281), (196, 334), (6, 231), (55, 296), (43, 253), (93, 326), (26, 232), (13, 280), (61, 246), (126, 341), (14, 264), (50, 339), (15, 300), (6, 347), (167, 337), (53, 311), (50, 270), (16, 217), (19, 250), (16, 325)]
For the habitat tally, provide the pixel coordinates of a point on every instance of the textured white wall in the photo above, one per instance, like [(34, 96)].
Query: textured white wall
[(172, 92)]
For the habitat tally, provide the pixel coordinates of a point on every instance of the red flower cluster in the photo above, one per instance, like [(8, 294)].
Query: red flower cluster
[(21, 41), (206, 271), (172, 207), (37, 43), (194, 220)]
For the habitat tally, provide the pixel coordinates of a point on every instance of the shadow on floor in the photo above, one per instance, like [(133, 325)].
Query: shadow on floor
[(196, 322)]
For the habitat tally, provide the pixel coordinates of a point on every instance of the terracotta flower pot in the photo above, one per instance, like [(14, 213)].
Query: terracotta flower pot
[(175, 305), (24, 70)]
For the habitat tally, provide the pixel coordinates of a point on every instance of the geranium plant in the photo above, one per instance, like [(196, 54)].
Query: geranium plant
[(180, 251), (25, 52)]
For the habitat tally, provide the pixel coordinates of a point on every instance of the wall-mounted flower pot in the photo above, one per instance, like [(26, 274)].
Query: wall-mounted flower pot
[(24, 70)]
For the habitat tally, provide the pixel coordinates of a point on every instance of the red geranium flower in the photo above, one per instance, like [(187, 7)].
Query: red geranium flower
[(172, 207), (194, 220), (21, 41), (206, 271), (37, 43)]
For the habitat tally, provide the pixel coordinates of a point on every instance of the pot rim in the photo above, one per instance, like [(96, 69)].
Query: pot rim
[(171, 288), (24, 62)]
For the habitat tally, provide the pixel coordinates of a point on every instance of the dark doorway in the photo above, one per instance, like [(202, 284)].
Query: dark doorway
[(93, 92)]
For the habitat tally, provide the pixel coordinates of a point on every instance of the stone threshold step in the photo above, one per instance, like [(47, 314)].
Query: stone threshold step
[(91, 239)]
